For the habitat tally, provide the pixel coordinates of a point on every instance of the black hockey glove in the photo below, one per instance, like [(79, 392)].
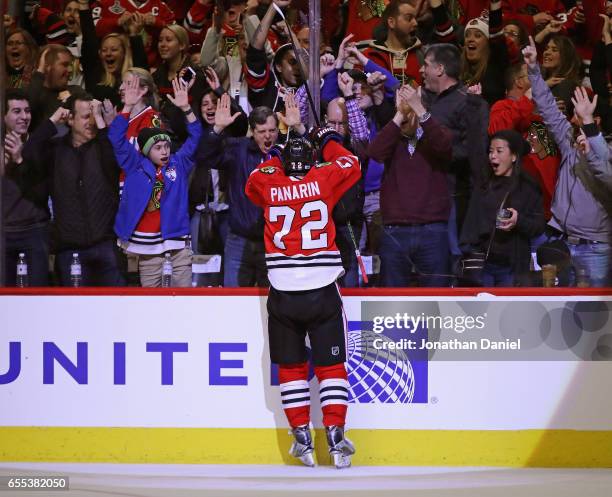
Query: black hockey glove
[(320, 137), (276, 151)]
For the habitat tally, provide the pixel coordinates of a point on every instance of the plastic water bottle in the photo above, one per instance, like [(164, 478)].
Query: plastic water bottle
[(167, 271), (22, 271), (583, 278), (76, 275)]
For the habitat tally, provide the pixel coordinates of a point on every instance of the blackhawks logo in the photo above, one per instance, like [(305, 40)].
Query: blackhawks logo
[(268, 170)]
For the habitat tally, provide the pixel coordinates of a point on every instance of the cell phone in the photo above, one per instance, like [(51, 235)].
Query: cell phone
[(188, 75)]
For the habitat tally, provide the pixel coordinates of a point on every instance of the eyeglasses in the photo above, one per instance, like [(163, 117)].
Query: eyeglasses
[(336, 124)]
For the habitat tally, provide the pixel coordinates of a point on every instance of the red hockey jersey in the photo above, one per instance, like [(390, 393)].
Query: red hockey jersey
[(106, 14), (301, 251), (146, 118)]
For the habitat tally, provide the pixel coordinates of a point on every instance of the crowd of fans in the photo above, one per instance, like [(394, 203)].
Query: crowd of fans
[(131, 127)]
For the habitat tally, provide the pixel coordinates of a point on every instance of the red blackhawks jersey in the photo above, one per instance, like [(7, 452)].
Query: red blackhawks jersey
[(146, 118), (301, 251), (106, 14)]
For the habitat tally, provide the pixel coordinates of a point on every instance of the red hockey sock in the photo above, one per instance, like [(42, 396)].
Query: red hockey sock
[(295, 393), (333, 392)]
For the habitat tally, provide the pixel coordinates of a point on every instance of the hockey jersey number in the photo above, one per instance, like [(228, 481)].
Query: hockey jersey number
[(317, 209)]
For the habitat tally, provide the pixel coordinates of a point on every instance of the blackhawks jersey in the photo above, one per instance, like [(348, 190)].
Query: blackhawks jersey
[(106, 14), (146, 118), (301, 252)]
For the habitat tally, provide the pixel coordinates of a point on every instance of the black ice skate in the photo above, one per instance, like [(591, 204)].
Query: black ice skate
[(340, 448), (302, 447)]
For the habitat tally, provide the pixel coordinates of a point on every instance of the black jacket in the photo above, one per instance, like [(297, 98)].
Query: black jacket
[(24, 196), (478, 232), (83, 184), (506, 247), (238, 157)]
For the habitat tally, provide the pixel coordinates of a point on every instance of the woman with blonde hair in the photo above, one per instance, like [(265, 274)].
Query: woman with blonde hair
[(144, 113), (105, 61), (149, 99), (173, 48)]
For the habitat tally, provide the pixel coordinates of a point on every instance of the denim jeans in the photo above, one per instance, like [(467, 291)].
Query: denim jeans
[(496, 275), (244, 262), (34, 243), (223, 227), (372, 227), (100, 265), (420, 248), (595, 259), (347, 252)]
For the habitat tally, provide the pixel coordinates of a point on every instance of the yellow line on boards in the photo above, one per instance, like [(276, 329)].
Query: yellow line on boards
[(523, 448)]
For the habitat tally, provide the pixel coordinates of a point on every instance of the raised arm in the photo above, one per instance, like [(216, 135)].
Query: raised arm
[(186, 154), (36, 149), (357, 122), (127, 156), (261, 33), (555, 121)]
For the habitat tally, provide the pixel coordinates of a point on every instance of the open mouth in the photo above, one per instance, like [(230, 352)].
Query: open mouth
[(471, 48), (210, 116), (15, 58), (111, 64), (268, 145)]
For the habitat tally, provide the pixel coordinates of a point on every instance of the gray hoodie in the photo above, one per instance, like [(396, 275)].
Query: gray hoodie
[(575, 210)]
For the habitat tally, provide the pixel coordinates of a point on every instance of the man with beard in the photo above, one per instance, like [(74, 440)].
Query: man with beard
[(49, 85), (399, 51), (24, 197), (83, 176)]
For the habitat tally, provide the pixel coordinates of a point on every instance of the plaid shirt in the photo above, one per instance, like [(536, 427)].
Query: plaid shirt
[(357, 122)]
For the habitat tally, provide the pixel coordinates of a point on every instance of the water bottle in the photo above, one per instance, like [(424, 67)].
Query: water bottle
[(583, 278), (167, 271), (22, 271), (76, 276)]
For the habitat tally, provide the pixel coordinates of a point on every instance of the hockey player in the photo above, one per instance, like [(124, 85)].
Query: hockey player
[(298, 196)]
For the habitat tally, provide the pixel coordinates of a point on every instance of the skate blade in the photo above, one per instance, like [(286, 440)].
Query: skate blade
[(348, 449), (341, 460), (307, 459)]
